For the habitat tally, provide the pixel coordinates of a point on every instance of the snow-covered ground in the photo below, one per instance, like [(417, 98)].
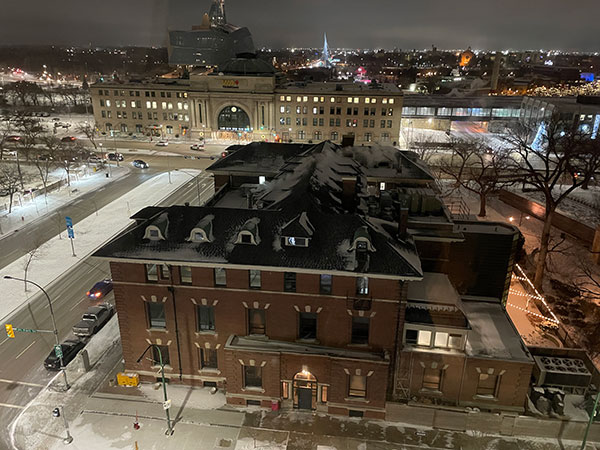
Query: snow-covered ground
[(28, 209), (55, 256)]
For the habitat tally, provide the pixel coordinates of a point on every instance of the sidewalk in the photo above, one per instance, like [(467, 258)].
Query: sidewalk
[(101, 416), (55, 257), (32, 209)]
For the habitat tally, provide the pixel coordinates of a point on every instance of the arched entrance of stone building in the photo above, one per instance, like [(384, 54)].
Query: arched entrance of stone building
[(233, 118), (305, 390)]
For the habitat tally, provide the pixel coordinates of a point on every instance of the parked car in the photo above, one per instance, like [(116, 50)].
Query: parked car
[(115, 157), (68, 139), (100, 289), (95, 160), (70, 348), (197, 146), (162, 143), (93, 320), (13, 138), (140, 164)]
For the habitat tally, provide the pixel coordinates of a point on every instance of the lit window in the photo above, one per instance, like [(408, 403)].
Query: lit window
[(148, 104), (324, 391), (355, 99), (391, 101), (254, 278), (362, 285), (357, 386), (367, 100), (282, 109), (305, 98), (349, 99), (261, 179), (133, 103), (332, 99), (384, 101), (185, 273), (432, 380), (382, 186), (282, 98), (424, 338), (315, 99), (298, 99), (256, 321), (288, 98), (108, 103), (440, 340)]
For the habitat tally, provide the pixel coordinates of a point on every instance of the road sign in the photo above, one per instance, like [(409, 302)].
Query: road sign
[(9, 331), (58, 351), (167, 404), (25, 330), (70, 227)]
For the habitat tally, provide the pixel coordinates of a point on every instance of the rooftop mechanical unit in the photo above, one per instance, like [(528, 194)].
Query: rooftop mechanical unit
[(561, 372)]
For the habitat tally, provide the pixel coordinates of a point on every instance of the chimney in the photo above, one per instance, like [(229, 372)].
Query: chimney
[(402, 222)]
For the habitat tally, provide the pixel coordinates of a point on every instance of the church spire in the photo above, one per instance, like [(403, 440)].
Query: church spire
[(217, 13)]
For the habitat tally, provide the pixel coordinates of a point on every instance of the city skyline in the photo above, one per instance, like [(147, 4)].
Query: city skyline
[(408, 25)]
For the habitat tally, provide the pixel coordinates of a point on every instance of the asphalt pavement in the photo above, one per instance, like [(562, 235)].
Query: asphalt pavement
[(22, 375)]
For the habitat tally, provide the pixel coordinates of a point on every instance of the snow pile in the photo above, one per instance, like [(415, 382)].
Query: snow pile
[(182, 395)]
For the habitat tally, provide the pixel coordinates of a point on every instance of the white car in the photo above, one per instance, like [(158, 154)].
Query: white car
[(162, 143), (197, 146)]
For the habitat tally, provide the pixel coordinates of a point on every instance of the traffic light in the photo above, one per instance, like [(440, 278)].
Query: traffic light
[(9, 331)]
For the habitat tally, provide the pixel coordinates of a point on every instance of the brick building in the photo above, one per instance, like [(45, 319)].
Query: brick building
[(323, 279)]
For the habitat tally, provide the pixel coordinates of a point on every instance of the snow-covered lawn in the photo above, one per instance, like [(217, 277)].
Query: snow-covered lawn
[(55, 257), (28, 209)]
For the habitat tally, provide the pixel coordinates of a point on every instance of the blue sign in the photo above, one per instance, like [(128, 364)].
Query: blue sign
[(70, 232)]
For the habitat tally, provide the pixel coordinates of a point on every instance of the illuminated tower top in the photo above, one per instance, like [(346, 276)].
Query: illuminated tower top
[(217, 13), (325, 56)]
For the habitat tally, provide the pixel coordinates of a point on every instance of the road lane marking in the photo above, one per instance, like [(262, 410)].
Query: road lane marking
[(22, 383), (4, 341), (8, 405), (26, 348)]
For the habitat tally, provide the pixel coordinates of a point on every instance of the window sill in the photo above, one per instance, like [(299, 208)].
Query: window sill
[(430, 392), (357, 399), (167, 367), (489, 398), (206, 333), (308, 341), (253, 389), (259, 337), (159, 330), (365, 346), (209, 371)]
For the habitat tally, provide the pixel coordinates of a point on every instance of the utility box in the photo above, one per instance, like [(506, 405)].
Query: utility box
[(128, 379)]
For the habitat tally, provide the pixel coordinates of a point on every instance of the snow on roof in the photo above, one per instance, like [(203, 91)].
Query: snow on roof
[(434, 288), (273, 346), (492, 334)]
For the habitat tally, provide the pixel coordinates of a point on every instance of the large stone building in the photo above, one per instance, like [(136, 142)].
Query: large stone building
[(247, 101), (323, 278)]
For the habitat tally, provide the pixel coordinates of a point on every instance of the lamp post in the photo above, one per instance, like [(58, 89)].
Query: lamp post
[(197, 183), (162, 372), (62, 366)]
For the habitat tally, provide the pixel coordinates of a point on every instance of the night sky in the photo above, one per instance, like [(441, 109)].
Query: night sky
[(406, 24)]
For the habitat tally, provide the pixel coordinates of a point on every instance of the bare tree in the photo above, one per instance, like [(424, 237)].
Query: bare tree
[(45, 161), (30, 131), (10, 181), (90, 131), (555, 157), (424, 146), (67, 155), (478, 169), (33, 253), (5, 131)]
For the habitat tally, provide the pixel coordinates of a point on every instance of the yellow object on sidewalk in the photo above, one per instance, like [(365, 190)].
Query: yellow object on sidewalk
[(128, 379)]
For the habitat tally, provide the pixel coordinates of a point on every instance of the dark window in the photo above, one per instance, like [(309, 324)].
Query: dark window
[(307, 326), (164, 353), (289, 281), (246, 238), (411, 336), (325, 284), (253, 376), (362, 285), (185, 273), (254, 278), (151, 272), (164, 272), (206, 318), (220, 277), (360, 330), (208, 358), (355, 413), (357, 386), (432, 379), (256, 321), (156, 315), (487, 385)]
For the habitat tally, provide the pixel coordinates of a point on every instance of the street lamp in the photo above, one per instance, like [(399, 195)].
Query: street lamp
[(162, 372), (62, 365), (56, 412)]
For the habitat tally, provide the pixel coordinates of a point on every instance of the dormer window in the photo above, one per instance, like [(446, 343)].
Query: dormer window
[(198, 235), (202, 232), (153, 233), (296, 241), (362, 241), (249, 232)]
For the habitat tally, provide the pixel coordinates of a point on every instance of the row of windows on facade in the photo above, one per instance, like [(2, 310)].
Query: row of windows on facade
[(122, 92), (154, 272), (334, 136), (181, 106), (433, 380), (337, 111), (257, 323), (150, 115), (253, 375), (459, 112), (140, 128), (320, 99), (350, 123)]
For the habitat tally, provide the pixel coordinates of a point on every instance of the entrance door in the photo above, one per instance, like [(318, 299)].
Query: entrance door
[(305, 398)]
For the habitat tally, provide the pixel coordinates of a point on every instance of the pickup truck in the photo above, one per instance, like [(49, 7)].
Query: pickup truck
[(94, 319)]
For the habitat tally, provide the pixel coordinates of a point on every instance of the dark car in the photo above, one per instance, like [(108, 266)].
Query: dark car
[(115, 157), (68, 139), (70, 348), (13, 138), (100, 289), (140, 164)]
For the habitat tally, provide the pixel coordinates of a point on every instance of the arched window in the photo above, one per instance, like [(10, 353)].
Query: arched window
[(233, 118)]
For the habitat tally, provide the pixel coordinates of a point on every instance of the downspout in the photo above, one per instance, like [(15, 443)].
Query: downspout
[(462, 379), (171, 289)]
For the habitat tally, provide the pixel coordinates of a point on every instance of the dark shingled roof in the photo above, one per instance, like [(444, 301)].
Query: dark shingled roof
[(328, 249)]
